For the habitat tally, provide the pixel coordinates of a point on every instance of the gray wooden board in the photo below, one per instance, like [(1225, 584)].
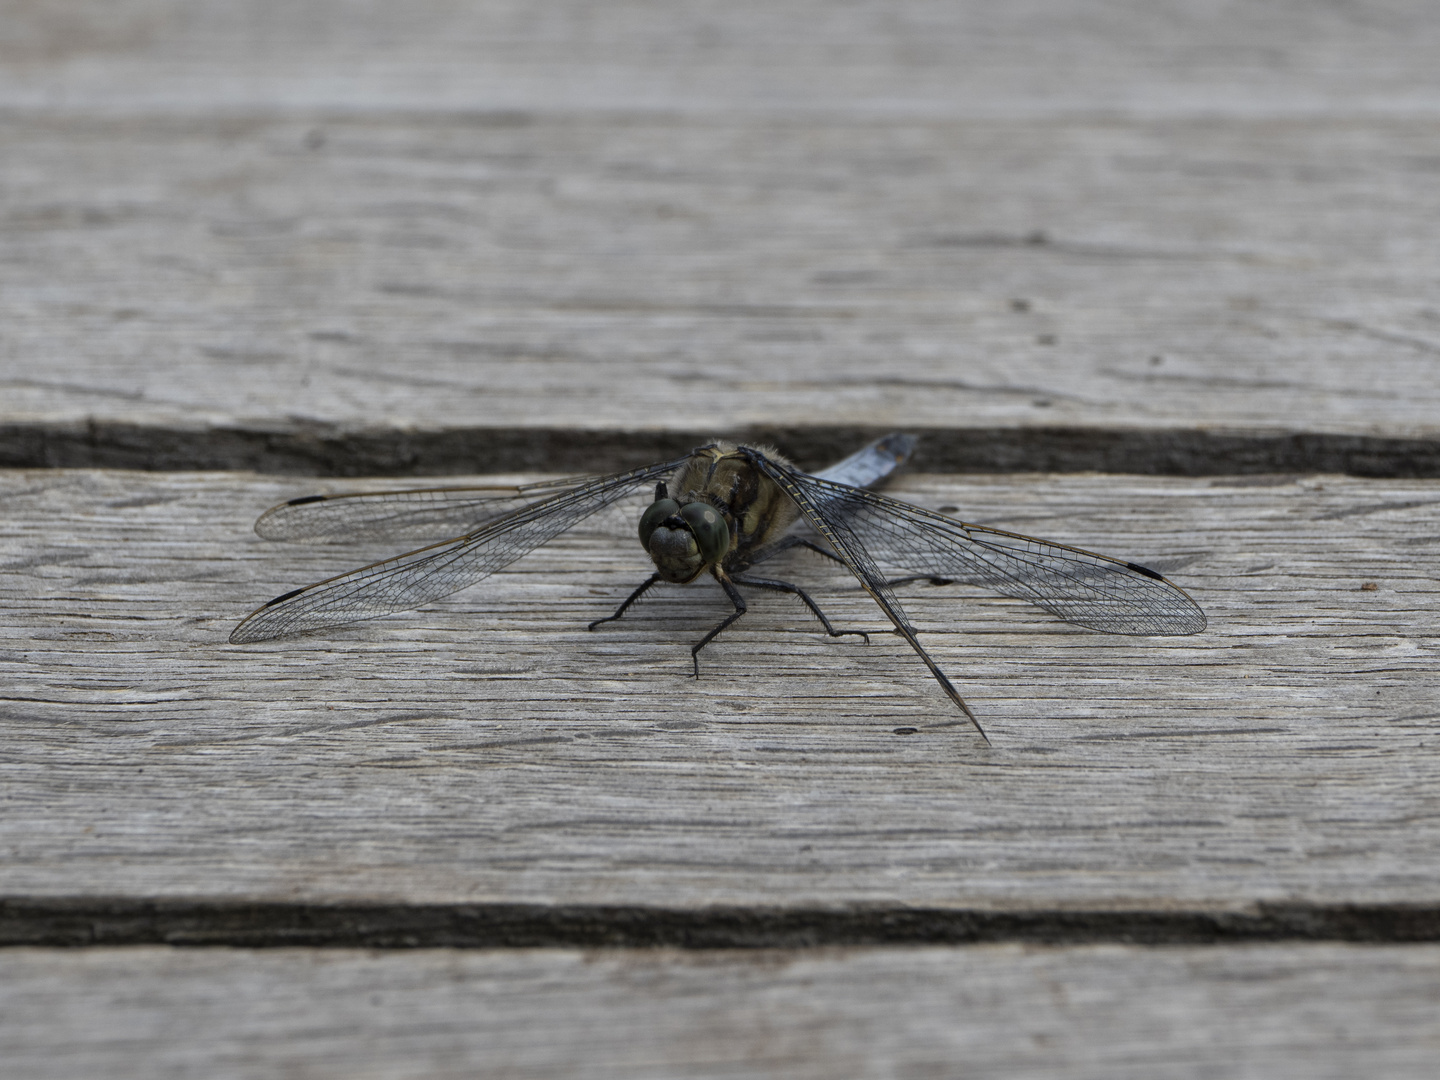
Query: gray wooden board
[(1148, 56), (1107, 1012), (638, 273), (489, 749), (226, 222)]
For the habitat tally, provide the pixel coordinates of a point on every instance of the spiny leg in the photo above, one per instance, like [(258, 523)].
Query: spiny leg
[(788, 542), (738, 601), (641, 591), (786, 587)]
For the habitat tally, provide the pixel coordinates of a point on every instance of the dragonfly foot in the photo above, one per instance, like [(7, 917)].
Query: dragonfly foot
[(641, 591), (795, 590), (920, 577)]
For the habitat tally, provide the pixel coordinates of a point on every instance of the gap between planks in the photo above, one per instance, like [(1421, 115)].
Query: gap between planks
[(101, 921), (336, 450)]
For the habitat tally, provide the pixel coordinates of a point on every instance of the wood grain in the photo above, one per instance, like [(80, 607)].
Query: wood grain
[(1164, 57), (284, 237), (1135, 237), (338, 274), (997, 1011), (489, 749)]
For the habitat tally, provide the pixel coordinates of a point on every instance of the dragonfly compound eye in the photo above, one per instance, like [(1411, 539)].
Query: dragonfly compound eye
[(659, 510), (712, 534)]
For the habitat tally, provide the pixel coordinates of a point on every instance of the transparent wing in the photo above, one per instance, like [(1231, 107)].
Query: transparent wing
[(418, 514), (1078, 586), (439, 513), (1081, 587), (418, 577), (818, 500)]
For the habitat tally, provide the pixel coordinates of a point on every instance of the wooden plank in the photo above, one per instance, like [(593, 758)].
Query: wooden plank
[(489, 749), (389, 277), (1313, 1011), (1050, 55), (284, 237)]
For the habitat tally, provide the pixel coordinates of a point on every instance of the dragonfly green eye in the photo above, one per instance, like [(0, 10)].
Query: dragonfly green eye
[(711, 533), (659, 510)]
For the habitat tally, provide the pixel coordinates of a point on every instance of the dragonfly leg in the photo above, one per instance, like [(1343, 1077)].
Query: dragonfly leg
[(792, 542), (810, 545), (740, 609), (641, 591), (786, 587), (920, 577)]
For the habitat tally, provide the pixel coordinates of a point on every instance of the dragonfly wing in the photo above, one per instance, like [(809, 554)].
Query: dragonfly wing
[(821, 503), (439, 513), (419, 514), (1081, 587), (418, 577)]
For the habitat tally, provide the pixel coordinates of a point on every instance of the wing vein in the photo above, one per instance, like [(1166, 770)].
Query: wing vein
[(418, 577)]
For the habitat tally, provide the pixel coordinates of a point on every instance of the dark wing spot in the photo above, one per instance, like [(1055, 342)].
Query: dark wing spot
[(283, 597), (1145, 570), (306, 499)]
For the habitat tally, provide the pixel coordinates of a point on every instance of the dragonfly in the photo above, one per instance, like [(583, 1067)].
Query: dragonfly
[(719, 511)]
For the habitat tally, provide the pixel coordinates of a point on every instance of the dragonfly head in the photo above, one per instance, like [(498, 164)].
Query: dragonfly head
[(683, 540)]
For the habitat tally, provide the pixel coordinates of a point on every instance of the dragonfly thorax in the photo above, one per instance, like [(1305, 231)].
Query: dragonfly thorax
[(683, 540)]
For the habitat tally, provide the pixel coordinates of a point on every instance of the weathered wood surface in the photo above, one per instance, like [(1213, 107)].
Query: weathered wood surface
[(1308, 1012), (1162, 57), (489, 749), (287, 223), (1127, 236), (336, 275)]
